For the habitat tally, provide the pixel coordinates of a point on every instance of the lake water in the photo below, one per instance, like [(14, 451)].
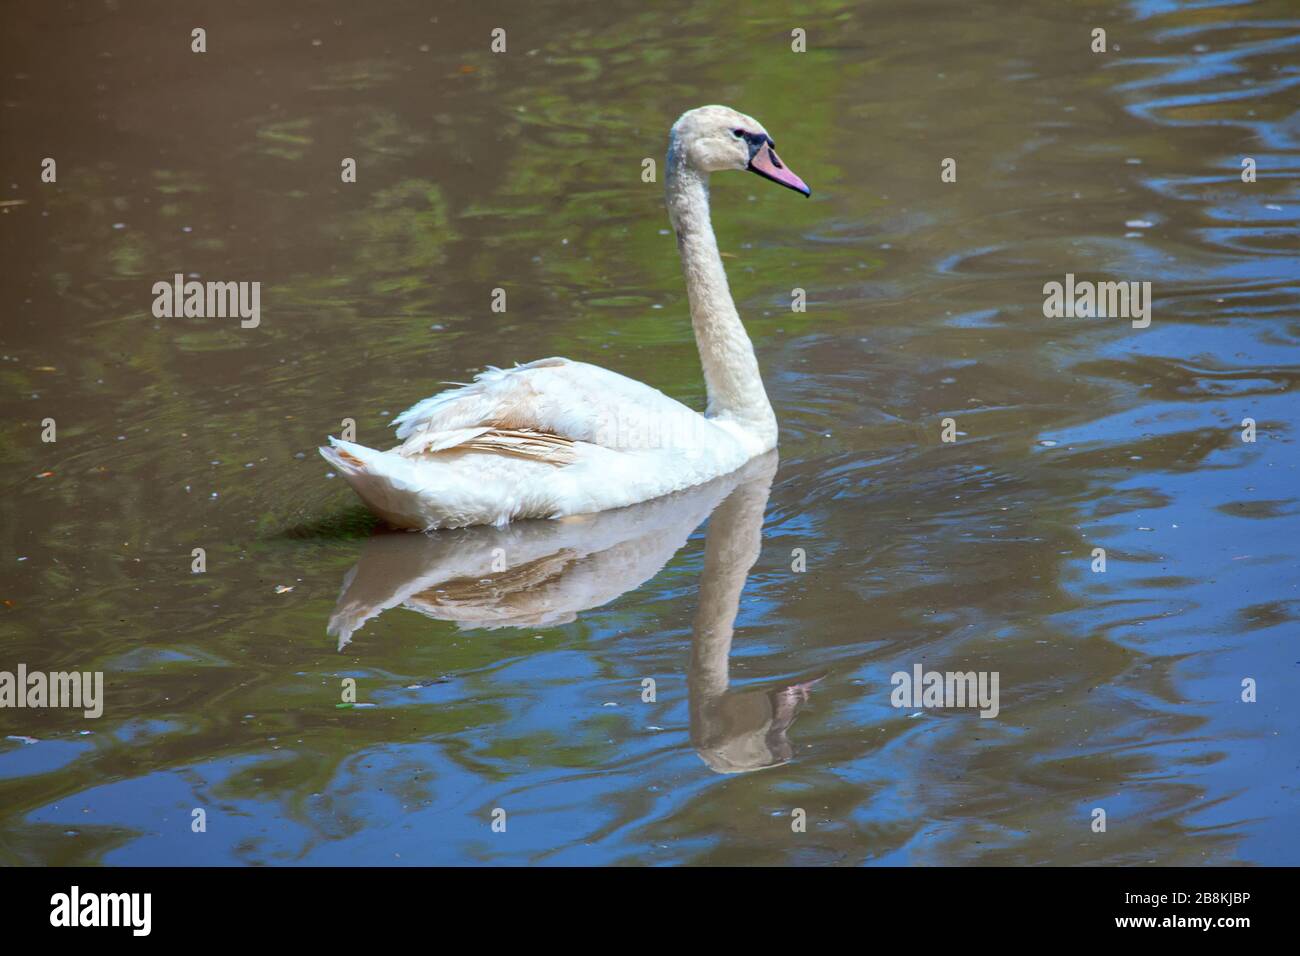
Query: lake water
[(769, 609)]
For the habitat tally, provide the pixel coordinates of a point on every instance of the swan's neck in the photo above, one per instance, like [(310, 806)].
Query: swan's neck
[(731, 375)]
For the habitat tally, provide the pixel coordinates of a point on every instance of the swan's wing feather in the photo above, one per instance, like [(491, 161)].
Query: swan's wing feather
[(540, 410), (540, 446)]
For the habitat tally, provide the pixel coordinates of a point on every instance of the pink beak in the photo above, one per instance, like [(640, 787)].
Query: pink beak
[(767, 164)]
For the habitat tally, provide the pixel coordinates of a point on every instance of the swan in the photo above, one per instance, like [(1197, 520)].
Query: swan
[(555, 437)]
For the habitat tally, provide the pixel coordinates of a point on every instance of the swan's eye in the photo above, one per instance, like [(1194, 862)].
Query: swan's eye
[(738, 133)]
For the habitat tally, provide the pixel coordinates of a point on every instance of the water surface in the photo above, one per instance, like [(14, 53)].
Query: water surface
[(522, 690)]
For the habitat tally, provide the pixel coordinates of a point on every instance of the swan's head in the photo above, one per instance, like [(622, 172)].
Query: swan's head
[(715, 138)]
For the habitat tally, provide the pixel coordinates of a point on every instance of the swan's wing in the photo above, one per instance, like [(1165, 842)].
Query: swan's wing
[(540, 410)]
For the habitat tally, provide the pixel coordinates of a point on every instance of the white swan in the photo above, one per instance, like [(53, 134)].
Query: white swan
[(555, 437)]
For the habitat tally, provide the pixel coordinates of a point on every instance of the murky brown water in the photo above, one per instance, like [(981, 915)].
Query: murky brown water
[(1119, 691)]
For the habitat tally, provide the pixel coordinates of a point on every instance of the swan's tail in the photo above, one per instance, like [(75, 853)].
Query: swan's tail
[(469, 486), (385, 482)]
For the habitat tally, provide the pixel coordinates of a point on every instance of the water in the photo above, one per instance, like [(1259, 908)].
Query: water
[(523, 690)]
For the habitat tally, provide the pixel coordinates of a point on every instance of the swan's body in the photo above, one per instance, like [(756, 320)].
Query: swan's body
[(554, 437)]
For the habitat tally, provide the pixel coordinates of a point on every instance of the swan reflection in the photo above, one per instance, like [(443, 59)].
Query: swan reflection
[(544, 573)]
